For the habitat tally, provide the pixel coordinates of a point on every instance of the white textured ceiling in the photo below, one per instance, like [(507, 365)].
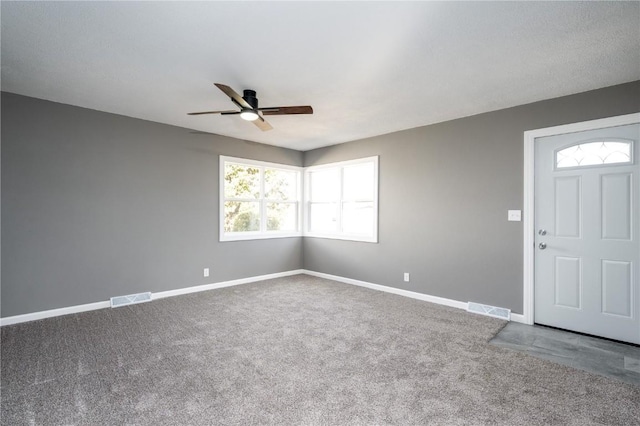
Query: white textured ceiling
[(367, 68)]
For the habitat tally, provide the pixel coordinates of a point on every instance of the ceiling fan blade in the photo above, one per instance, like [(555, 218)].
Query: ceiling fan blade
[(210, 112), (262, 124), (236, 98), (287, 110)]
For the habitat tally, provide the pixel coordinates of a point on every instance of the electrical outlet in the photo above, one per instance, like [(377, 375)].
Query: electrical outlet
[(206, 272), (514, 215), (406, 277)]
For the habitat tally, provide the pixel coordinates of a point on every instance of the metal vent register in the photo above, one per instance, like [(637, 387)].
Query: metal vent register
[(130, 299), (491, 311)]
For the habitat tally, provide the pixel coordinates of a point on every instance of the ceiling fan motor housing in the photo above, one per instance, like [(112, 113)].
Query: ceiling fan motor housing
[(250, 97)]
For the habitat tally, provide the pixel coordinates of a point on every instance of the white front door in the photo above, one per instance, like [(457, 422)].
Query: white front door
[(587, 243)]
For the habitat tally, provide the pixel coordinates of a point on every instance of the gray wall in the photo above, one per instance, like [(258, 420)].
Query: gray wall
[(443, 198), (96, 205)]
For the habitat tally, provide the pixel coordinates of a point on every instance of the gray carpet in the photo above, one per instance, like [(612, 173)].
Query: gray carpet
[(296, 350)]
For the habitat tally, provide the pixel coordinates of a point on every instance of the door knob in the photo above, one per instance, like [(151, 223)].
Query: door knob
[(542, 246), (542, 232)]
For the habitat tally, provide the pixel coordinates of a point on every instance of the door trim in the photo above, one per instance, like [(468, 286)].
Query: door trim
[(528, 206)]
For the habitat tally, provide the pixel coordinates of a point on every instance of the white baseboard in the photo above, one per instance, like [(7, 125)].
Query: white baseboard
[(170, 293), (518, 318), (412, 294), (33, 316), (205, 287)]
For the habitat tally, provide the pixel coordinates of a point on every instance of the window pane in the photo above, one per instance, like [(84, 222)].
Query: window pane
[(325, 185), (241, 216), (323, 217), (241, 181), (357, 218), (280, 184), (594, 153), (282, 217), (358, 182)]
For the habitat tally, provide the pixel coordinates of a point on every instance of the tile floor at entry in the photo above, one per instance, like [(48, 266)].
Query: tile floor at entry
[(600, 356)]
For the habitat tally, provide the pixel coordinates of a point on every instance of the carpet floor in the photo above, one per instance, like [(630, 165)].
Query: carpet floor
[(298, 350)]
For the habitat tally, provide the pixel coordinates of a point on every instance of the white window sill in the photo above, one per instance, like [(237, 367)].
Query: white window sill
[(257, 236), (356, 238)]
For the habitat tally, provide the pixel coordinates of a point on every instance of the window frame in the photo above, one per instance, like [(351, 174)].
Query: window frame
[(263, 233), (339, 234)]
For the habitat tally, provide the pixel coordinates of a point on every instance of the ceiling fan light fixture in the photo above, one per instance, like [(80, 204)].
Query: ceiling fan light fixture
[(249, 110), (249, 115)]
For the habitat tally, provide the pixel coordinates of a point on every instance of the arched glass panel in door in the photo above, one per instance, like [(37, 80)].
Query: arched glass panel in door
[(594, 153)]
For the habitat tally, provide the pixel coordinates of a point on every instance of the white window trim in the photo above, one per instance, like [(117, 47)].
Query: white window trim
[(340, 235), (258, 235)]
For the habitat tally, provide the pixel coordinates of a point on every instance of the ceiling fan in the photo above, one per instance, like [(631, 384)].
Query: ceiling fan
[(249, 110)]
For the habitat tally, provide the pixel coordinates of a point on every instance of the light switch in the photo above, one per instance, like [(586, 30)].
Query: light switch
[(514, 215)]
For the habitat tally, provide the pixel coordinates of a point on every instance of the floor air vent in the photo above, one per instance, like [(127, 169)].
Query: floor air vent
[(491, 311), (131, 299)]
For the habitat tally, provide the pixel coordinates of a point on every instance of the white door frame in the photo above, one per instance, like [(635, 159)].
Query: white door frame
[(529, 199)]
